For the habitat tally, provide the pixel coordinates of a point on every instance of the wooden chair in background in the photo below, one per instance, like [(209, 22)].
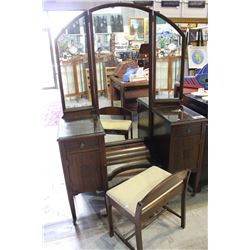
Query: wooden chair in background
[(140, 197), (87, 84), (118, 120)]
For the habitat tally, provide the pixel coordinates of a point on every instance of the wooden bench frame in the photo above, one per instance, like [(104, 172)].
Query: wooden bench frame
[(149, 214)]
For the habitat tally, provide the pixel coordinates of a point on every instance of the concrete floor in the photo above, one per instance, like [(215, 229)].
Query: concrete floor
[(91, 231)]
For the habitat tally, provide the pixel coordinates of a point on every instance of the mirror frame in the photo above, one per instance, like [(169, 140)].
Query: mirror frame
[(150, 34), (86, 109), (87, 14), (177, 100)]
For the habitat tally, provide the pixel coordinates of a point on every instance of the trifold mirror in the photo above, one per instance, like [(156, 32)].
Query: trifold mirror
[(95, 43)]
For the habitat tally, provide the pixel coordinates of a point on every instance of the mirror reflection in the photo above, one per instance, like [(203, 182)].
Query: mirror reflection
[(168, 59), (74, 65), (120, 34)]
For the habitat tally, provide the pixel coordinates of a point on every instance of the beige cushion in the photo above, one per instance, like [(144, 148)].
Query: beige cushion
[(116, 124), (130, 192)]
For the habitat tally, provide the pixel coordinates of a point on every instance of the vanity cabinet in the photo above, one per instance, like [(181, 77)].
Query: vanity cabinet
[(178, 138), (200, 106), (82, 152), (179, 135)]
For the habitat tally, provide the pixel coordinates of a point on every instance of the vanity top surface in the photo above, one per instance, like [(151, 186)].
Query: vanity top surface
[(75, 128)]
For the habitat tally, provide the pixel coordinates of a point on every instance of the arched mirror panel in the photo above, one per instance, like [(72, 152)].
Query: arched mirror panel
[(120, 34), (169, 58), (98, 43), (74, 65)]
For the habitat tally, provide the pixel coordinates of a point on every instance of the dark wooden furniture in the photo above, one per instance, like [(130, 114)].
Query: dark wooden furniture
[(200, 106), (81, 144), (186, 90), (76, 64), (131, 156), (113, 127), (143, 117), (196, 103), (149, 193), (81, 136), (108, 71), (171, 62), (178, 137), (127, 92)]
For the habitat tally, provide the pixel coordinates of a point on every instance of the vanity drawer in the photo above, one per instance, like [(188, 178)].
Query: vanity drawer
[(81, 144), (188, 129)]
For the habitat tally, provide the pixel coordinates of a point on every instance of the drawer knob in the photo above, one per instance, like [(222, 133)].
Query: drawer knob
[(82, 145), (188, 130)]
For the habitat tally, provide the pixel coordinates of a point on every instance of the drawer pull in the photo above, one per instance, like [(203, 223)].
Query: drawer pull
[(82, 145), (188, 130)]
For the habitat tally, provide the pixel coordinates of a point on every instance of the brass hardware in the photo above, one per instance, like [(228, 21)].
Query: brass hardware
[(82, 145)]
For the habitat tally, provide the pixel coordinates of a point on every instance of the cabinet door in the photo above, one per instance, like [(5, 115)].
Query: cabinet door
[(184, 153), (85, 171)]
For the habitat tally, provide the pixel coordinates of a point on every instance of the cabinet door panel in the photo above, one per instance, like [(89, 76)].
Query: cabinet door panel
[(85, 171), (185, 153)]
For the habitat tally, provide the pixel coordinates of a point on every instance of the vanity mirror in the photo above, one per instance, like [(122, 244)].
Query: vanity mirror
[(118, 34), (168, 53), (91, 47), (74, 67)]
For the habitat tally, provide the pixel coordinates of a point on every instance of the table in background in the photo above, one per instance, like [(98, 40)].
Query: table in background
[(127, 92)]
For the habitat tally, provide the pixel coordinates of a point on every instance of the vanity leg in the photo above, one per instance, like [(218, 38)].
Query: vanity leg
[(72, 206), (197, 187)]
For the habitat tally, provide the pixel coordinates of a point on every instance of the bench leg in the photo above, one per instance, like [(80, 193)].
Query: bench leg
[(138, 236), (110, 219)]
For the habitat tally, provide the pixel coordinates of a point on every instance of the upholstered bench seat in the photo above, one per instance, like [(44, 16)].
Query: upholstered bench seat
[(116, 124), (130, 192)]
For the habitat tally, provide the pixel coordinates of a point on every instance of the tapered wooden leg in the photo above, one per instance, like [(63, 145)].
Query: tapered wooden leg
[(183, 209), (72, 206), (197, 187), (110, 219), (138, 236)]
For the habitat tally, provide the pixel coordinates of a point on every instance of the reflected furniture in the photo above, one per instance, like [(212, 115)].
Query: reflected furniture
[(186, 90), (131, 156), (108, 71), (87, 80), (144, 197), (166, 80), (116, 120), (127, 92), (79, 84)]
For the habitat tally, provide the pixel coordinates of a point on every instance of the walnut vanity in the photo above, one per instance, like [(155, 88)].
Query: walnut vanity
[(170, 135)]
